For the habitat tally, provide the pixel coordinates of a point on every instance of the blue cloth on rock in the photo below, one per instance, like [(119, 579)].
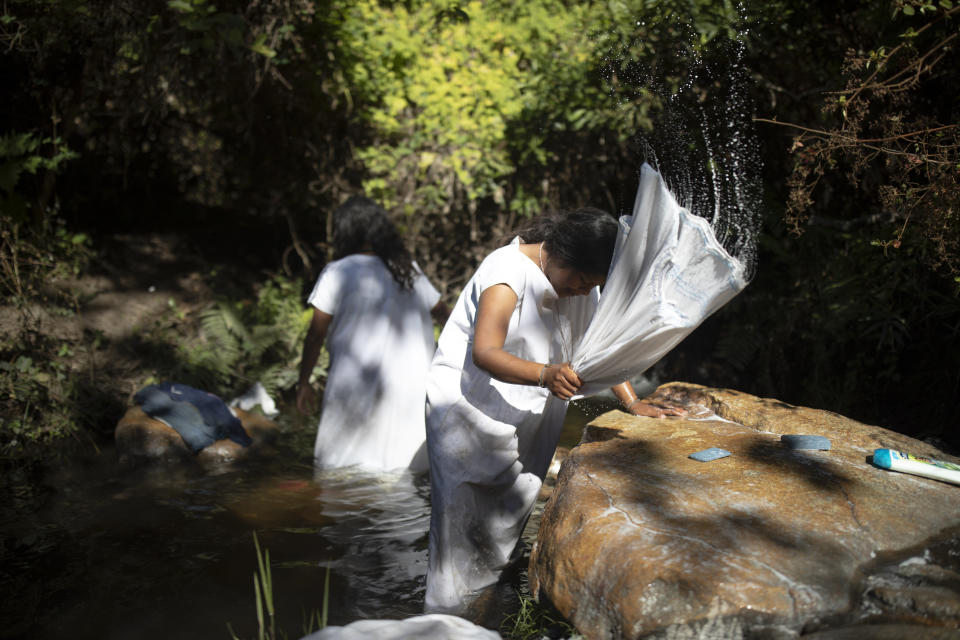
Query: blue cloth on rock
[(200, 417)]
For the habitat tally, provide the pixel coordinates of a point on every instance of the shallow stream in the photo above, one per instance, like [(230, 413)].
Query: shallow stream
[(104, 552)]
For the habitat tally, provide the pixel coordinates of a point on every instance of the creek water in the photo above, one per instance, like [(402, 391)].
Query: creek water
[(109, 553)]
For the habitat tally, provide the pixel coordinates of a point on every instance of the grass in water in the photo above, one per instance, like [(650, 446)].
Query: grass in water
[(529, 622), (319, 617), (263, 595), (533, 621)]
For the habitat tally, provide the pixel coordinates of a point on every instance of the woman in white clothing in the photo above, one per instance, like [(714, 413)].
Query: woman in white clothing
[(373, 307), (497, 394)]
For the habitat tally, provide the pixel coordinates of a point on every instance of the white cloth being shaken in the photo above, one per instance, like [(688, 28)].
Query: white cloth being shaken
[(380, 343), (669, 273)]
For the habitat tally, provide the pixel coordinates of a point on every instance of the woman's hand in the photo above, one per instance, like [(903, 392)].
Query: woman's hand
[(561, 380), (306, 399), (651, 410)]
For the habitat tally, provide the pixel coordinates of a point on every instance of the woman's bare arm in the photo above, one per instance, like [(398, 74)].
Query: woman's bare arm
[(316, 334), (490, 333)]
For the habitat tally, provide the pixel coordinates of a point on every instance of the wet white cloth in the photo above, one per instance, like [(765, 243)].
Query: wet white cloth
[(435, 626), (380, 343), (490, 442), (668, 274)]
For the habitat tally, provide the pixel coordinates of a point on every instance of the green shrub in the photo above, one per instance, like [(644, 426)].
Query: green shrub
[(240, 343)]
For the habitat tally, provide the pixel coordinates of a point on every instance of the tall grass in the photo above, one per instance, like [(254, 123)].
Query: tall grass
[(534, 621), (266, 607)]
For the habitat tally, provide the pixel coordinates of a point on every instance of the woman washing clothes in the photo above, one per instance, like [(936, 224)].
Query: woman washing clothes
[(373, 307), (497, 394)]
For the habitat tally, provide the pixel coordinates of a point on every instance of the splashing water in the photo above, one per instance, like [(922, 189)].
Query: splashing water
[(703, 141)]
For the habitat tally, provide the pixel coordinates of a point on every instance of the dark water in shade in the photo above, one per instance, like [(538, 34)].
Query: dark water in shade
[(107, 553)]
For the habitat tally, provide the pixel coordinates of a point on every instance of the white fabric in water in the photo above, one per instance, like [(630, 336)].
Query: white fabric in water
[(380, 343), (668, 274)]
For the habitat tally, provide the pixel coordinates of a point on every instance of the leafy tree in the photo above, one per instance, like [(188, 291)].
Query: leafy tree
[(484, 112), (893, 138)]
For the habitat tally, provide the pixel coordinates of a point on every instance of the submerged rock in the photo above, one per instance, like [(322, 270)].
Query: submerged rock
[(639, 540), (141, 439)]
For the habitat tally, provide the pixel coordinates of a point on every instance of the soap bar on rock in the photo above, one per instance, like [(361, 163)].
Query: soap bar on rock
[(806, 442), (713, 453)]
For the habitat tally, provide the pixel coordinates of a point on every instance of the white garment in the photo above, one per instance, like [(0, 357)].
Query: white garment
[(490, 442), (668, 274), (380, 342), (434, 626)]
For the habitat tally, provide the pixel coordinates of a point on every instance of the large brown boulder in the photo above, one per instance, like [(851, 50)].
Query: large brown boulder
[(142, 439), (639, 539)]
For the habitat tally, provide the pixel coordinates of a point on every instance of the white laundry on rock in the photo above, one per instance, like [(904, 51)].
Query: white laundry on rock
[(380, 342)]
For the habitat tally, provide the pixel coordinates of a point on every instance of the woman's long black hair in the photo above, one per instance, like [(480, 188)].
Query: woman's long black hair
[(583, 239), (360, 224)]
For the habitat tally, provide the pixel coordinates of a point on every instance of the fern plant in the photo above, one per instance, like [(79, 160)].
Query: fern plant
[(240, 344)]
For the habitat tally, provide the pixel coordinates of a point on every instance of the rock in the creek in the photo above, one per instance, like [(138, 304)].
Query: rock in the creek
[(638, 539), (434, 626), (142, 439)]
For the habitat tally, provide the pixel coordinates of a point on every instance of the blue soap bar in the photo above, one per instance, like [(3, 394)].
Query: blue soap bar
[(713, 453), (806, 442)]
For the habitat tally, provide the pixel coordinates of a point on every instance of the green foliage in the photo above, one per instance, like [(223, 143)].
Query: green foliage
[(887, 137), (442, 83), (22, 154), (446, 86), (174, 105), (34, 245), (31, 255), (35, 381), (241, 343)]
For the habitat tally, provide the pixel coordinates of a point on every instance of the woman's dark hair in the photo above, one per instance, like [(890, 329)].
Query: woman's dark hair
[(360, 224), (583, 239)]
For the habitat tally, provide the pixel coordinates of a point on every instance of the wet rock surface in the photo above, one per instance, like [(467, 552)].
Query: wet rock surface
[(640, 541)]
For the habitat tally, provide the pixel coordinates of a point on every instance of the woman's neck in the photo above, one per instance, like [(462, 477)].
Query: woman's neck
[(537, 253)]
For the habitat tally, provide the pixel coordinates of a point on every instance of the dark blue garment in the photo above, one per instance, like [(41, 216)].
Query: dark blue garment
[(200, 417)]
